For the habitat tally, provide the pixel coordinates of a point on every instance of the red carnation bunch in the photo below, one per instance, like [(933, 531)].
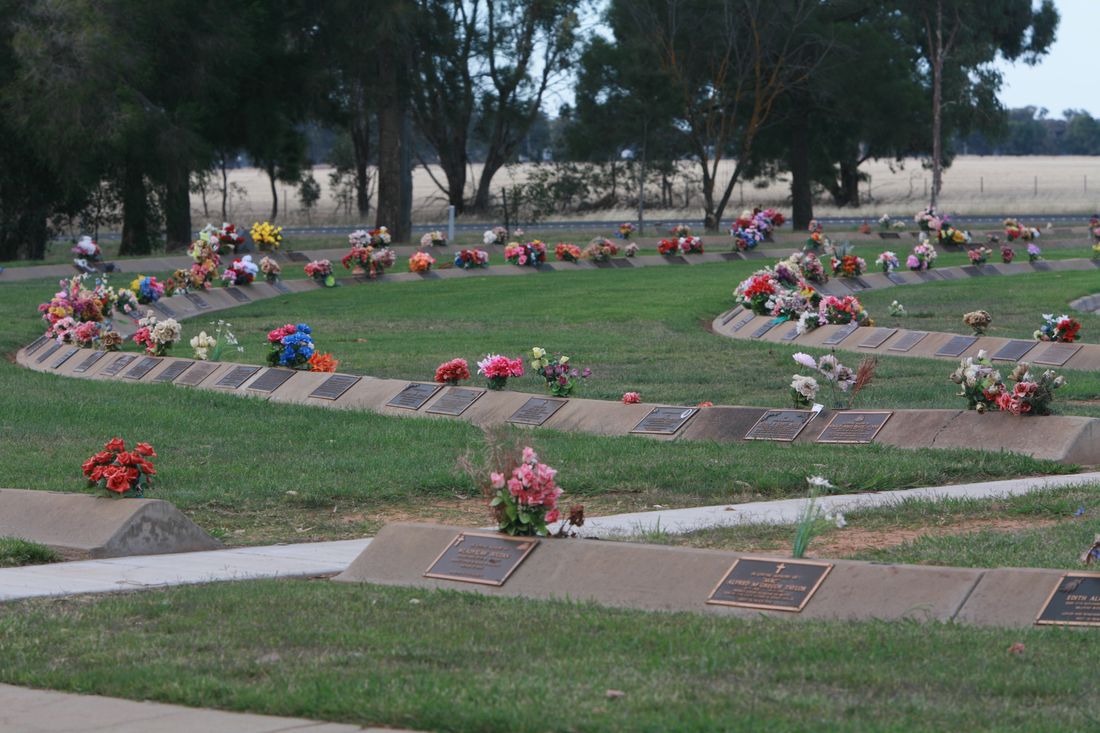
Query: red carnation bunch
[(451, 372), (122, 472)]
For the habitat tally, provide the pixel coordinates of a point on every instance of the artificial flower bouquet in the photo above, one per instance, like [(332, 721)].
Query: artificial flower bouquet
[(887, 262), (952, 235), (838, 311), (755, 291), (241, 271), (452, 372), (813, 269), (1034, 254), (468, 259), (147, 289), (928, 220), (632, 398), (210, 347), (560, 377), (817, 241), (1007, 254), (531, 254), (434, 239), (157, 336), (525, 497), (745, 236), (1015, 230), (271, 269), (849, 266), (420, 262), (205, 262), (680, 231), (1062, 329), (371, 259), (625, 230), (119, 471), (291, 346), (266, 236), (496, 369), (567, 252), (321, 272), (86, 249), (1030, 395), (978, 320), (922, 257), (74, 300), (601, 249), (225, 238), (630, 250), (844, 383), (680, 246), (979, 255), (496, 235), (979, 381)]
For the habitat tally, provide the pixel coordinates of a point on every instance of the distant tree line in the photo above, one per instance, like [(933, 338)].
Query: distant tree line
[(1029, 131), (116, 111)]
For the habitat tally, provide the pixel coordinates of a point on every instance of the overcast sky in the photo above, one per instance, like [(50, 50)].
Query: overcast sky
[(1063, 78)]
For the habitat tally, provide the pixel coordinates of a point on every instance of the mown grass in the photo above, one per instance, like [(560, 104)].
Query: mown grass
[(450, 661), (15, 552)]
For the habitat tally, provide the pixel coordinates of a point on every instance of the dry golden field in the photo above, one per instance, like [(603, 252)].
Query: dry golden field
[(973, 185)]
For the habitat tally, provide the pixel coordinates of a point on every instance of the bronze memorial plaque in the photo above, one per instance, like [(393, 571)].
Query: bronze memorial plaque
[(664, 420), (889, 235), (731, 315), (1014, 350), (89, 361), (163, 308), (1040, 265), (946, 274), (1057, 354), (455, 400), (897, 278), (840, 334), (197, 374), (143, 367), (238, 295), (198, 301), (47, 353), (927, 275), (477, 557), (907, 341), (763, 328), (744, 321), (877, 338), (35, 345), (774, 585), (956, 346), (236, 376), (118, 365), (414, 396), (972, 271), (1075, 601), (536, 411), (296, 257), (271, 380), (64, 357), (781, 425), (173, 370), (791, 334), (334, 387), (279, 287), (853, 427)]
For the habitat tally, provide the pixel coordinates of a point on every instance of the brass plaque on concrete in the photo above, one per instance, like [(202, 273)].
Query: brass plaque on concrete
[(889, 235), (773, 585), (676, 259), (64, 357), (972, 271), (196, 374), (877, 338), (791, 334), (165, 309), (296, 257), (481, 557), (853, 427), (414, 396), (1057, 354), (781, 425), (236, 376), (841, 333), (927, 275), (118, 365), (48, 353), (536, 411), (238, 295), (907, 341), (271, 380), (1013, 350), (744, 321), (280, 287), (664, 420), (897, 278), (946, 274), (172, 371), (622, 262), (143, 367), (1040, 265), (89, 361), (956, 346), (455, 400), (763, 328), (35, 345), (731, 315), (1075, 601), (334, 387), (198, 301)]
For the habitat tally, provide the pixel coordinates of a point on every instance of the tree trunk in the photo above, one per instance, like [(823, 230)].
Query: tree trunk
[(454, 168), (802, 202), (937, 111), (849, 183), (225, 190), (360, 142), (274, 193), (177, 209), (135, 213), (493, 163), (388, 211)]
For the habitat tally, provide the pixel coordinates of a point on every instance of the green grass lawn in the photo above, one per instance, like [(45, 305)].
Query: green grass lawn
[(15, 552), (451, 661)]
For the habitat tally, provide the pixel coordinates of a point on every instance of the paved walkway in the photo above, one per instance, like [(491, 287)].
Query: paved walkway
[(43, 711)]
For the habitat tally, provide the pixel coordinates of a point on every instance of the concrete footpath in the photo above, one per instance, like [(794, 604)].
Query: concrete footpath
[(44, 711)]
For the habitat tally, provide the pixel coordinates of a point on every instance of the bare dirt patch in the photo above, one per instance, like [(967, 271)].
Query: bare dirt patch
[(850, 541)]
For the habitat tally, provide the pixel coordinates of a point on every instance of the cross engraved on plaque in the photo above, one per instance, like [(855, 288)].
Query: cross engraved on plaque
[(664, 420), (334, 387), (773, 585), (536, 411)]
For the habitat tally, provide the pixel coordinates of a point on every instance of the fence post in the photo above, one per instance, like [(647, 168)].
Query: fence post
[(981, 184), (1035, 191)]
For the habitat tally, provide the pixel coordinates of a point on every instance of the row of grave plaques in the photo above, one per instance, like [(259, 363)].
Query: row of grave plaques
[(762, 583), (844, 427)]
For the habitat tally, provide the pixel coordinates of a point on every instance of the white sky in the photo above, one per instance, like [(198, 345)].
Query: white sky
[(1063, 78)]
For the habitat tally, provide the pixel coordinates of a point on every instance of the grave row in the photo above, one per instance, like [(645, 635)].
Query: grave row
[(661, 578), (1068, 439)]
